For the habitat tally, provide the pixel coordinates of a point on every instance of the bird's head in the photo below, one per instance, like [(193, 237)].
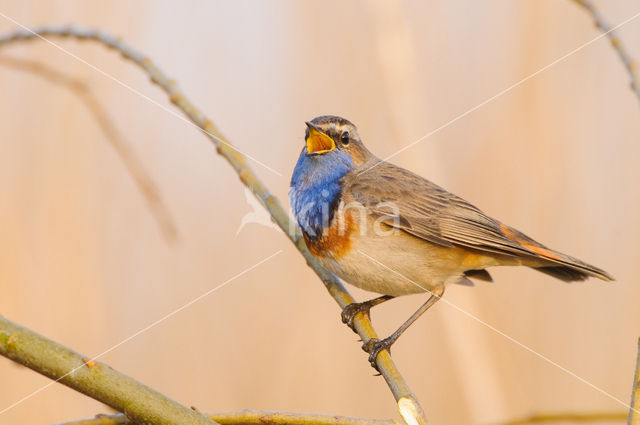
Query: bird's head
[(332, 150), (329, 136)]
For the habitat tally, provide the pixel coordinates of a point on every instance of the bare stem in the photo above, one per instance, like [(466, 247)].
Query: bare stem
[(408, 405), (630, 65), (131, 161), (569, 417), (138, 402), (251, 417), (634, 410)]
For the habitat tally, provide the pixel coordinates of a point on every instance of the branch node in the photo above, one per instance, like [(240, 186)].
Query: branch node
[(89, 362)]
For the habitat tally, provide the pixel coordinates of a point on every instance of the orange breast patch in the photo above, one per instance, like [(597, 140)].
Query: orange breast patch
[(336, 240)]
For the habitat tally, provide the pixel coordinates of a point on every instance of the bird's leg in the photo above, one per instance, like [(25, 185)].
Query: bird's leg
[(349, 313), (374, 345)]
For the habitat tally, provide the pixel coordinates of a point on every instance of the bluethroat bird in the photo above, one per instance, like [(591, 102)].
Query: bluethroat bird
[(387, 230)]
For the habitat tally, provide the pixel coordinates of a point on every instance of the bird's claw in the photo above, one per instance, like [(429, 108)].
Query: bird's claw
[(374, 346), (350, 311)]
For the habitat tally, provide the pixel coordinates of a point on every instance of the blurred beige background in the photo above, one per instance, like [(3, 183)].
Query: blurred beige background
[(82, 259)]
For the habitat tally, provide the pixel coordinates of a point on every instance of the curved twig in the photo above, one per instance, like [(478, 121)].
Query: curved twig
[(131, 161), (630, 65), (408, 404), (544, 418), (251, 417), (97, 380), (634, 410)]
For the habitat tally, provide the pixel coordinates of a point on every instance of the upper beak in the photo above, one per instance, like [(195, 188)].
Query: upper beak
[(318, 142)]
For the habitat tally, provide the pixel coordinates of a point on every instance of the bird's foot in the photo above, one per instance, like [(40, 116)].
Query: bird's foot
[(374, 346), (350, 311)]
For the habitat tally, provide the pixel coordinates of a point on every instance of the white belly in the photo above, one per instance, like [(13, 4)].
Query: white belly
[(397, 264)]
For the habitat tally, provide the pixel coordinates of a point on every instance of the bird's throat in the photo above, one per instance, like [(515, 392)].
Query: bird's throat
[(316, 191)]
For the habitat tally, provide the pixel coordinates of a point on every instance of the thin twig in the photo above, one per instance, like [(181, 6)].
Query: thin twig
[(131, 161), (630, 65), (251, 417), (569, 417), (97, 380), (634, 411), (408, 404)]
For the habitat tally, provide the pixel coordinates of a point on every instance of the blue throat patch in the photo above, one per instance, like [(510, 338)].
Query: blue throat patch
[(316, 189)]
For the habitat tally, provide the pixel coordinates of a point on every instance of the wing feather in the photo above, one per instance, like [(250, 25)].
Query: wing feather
[(427, 211)]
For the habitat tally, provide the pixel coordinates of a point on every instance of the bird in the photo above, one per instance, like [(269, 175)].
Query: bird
[(387, 230)]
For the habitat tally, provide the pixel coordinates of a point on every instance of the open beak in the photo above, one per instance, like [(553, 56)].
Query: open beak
[(318, 142)]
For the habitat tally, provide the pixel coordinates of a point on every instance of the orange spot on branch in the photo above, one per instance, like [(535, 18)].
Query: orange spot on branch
[(89, 362)]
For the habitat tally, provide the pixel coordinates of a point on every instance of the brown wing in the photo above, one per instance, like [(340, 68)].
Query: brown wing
[(429, 212)]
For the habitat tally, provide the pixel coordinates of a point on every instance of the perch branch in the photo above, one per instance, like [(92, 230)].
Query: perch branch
[(630, 65), (131, 161), (569, 417), (97, 380), (634, 411), (251, 417), (408, 404)]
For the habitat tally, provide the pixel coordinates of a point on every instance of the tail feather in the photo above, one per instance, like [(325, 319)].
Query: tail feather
[(565, 267), (563, 273), (479, 274), (570, 269), (554, 263)]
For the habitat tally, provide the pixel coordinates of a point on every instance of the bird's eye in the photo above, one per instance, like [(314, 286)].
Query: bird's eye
[(344, 138)]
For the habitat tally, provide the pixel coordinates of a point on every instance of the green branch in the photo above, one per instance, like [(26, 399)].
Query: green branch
[(634, 409), (97, 380), (545, 418), (251, 417)]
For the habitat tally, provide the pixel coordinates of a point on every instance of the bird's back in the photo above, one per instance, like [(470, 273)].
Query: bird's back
[(424, 210)]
